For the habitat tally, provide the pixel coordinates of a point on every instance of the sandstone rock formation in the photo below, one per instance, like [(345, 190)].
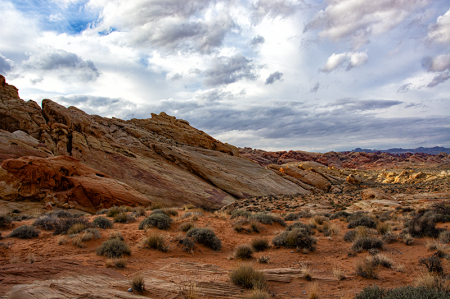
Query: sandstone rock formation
[(162, 158)]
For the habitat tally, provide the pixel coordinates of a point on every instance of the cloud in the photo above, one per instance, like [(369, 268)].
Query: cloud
[(227, 70), (257, 40), (438, 64), (277, 76), (176, 76), (315, 88), (404, 88), (440, 32), (274, 8), (171, 25), (353, 59), (442, 77), (349, 104), (68, 66), (6, 65), (359, 19)]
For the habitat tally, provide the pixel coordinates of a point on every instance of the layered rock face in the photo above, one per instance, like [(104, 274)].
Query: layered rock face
[(160, 159)]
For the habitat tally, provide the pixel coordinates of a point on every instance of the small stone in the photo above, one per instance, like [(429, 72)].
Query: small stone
[(292, 251), (130, 290)]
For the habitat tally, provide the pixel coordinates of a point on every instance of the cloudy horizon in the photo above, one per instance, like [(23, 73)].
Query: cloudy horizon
[(267, 74)]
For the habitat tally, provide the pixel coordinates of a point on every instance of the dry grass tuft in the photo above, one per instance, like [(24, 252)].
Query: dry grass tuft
[(338, 273), (314, 291), (138, 284), (306, 273), (116, 263)]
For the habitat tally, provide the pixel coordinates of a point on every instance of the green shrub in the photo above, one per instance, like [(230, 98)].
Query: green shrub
[(113, 248), (406, 292), (243, 252), (291, 217), (25, 232), (297, 238), (240, 213), (102, 212), (46, 222), (113, 211), (159, 220), (246, 276), (206, 237), (260, 244), (123, 217), (5, 221), (102, 222), (362, 221), (367, 243)]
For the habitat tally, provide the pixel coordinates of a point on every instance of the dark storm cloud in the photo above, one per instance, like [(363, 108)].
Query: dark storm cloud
[(315, 87), (442, 77), (274, 8), (5, 65), (257, 40), (277, 76), (68, 65), (227, 70)]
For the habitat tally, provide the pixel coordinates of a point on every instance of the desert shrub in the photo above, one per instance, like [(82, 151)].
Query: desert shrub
[(5, 221), (116, 263), (389, 238), (297, 238), (263, 259), (260, 244), (78, 241), (407, 239), (239, 228), (308, 227), (258, 294), (317, 220), (382, 260), (159, 220), (123, 217), (170, 211), (206, 237), (95, 232), (157, 211), (306, 273), (62, 240), (421, 226), (116, 235), (138, 284), (255, 227), (76, 228), (444, 237), (113, 248), (432, 281), (240, 213), (243, 252), (155, 241), (185, 226), (339, 214), (268, 218), (373, 251), (246, 276), (304, 214), (362, 221), (383, 228), (365, 268), (339, 274), (188, 244), (64, 224), (46, 222), (291, 217), (139, 211), (102, 222), (410, 292), (366, 243), (334, 229), (102, 212), (433, 264), (113, 211), (125, 208), (62, 214), (25, 232), (191, 214)]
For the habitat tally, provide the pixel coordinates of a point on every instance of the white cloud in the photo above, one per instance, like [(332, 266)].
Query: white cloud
[(360, 19), (353, 59), (440, 32)]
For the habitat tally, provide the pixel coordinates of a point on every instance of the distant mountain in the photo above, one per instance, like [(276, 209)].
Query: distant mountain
[(426, 150)]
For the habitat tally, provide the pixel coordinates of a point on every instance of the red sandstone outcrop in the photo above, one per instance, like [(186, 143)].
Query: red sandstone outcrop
[(64, 181), (161, 158)]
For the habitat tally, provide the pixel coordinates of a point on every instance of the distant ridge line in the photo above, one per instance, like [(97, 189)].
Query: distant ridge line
[(426, 150)]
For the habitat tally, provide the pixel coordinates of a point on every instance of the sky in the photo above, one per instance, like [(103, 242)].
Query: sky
[(266, 74)]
